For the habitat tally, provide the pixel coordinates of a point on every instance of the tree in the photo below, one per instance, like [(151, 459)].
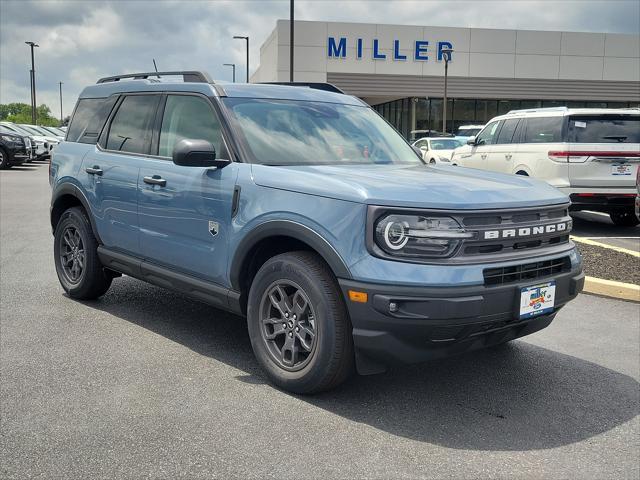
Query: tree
[(21, 113)]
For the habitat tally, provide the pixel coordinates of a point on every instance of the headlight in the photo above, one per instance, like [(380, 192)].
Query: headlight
[(10, 139), (419, 236)]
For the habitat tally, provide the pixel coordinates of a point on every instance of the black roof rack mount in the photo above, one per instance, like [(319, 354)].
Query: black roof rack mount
[(327, 87), (187, 76)]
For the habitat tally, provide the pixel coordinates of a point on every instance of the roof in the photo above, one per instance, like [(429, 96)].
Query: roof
[(562, 111), (221, 89)]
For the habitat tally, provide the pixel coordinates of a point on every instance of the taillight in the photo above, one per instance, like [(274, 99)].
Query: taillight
[(581, 156)]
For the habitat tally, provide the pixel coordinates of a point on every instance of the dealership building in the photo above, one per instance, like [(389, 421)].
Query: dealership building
[(399, 69)]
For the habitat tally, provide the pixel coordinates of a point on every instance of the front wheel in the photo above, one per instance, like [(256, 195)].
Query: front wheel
[(4, 159), (298, 324), (76, 257), (624, 218)]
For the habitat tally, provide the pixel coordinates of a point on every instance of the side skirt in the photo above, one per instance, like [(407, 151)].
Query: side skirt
[(202, 290)]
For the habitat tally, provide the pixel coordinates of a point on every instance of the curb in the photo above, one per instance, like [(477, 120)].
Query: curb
[(609, 288)]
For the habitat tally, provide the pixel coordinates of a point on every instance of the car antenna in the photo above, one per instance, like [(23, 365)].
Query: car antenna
[(155, 66)]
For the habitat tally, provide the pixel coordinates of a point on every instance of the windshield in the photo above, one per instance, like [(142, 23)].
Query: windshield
[(54, 131), (34, 130), (284, 132), (446, 144), (17, 129)]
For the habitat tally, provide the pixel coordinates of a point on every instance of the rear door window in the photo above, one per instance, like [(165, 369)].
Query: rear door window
[(543, 130), (132, 124), (604, 129), (507, 130)]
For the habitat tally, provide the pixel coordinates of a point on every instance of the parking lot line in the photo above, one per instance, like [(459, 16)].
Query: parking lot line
[(589, 241)]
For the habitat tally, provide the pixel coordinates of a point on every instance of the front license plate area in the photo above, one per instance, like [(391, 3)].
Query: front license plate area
[(621, 169), (537, 299)]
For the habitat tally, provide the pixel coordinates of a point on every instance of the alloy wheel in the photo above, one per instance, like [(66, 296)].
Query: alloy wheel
[(72, 254), (288, 325)]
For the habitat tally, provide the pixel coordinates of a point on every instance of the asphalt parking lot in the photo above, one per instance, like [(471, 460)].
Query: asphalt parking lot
[(146, 383)]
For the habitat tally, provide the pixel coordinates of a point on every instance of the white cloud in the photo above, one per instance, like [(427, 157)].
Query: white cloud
[(81, 41)]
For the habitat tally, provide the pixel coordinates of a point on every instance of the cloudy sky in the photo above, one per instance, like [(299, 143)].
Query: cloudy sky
[(81, 41)]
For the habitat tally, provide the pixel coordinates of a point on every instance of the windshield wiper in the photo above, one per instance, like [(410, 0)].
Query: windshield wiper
[(620, 138)]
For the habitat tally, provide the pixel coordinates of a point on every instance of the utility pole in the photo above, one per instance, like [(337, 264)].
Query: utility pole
[(291, 21), (232, 65), (34, 118), (446, 56), (61, 118), (238, 37)]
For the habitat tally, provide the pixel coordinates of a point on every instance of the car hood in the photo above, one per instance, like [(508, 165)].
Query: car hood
[(411, 186)]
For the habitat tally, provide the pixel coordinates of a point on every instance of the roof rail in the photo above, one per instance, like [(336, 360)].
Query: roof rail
[(187, 76), (545, 109), (327, 87)]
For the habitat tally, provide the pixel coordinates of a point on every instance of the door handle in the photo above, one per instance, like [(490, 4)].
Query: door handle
[(95, 170), (483, 156), (507, 156), (155, 180)]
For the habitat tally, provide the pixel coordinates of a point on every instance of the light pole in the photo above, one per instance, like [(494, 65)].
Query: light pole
[(33, 83), (232, 65), (61, 119), (291, 41), (446, 56), (238, 37)]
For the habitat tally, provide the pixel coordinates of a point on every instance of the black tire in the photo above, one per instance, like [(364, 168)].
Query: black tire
[(91, 281), (330, 360), (4, 159), (432, 161), (624, 218)]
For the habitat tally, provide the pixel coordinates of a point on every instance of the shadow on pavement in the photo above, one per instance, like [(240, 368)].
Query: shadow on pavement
[(515, 397)]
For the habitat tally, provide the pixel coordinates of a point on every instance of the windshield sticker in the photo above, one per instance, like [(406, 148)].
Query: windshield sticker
[(580, 124)]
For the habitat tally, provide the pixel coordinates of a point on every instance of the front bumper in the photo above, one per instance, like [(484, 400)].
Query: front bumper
[(436, 322)]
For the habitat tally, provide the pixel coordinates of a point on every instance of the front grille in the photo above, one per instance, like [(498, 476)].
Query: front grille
[(526, 271), (516, 220)]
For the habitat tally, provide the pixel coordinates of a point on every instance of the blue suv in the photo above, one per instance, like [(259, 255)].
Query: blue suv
[(301, 209)]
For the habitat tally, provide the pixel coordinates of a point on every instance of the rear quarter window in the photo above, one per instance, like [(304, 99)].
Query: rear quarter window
[(604, 129), (89, 118), (543, 130)]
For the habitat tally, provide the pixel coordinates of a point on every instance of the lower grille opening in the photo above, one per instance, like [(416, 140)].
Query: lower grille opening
[(527, 271)]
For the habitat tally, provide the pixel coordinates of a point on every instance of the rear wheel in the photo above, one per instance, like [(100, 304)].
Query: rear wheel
[(4, 159), (298, 324), (624, 218), (76, 257)]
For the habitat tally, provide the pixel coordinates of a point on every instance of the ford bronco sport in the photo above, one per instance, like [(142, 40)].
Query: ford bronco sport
[(300, 208)]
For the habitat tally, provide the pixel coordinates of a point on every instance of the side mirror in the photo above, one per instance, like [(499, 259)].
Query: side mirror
[(471, 141), (196, 153)]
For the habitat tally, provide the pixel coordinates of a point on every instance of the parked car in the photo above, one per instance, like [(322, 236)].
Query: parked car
[(15, 149), (306, 212), (53, 139), (60, 134), (591, 154), (637, 203), (466, 131), (417, 134), (437, 149), (40, 147)]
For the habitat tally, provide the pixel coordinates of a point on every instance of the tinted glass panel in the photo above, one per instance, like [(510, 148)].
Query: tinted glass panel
[(489, 134), (604, 129), (280, 132), (131, 126), (543, 130), (507, 130), (189, 117), (89, 118)]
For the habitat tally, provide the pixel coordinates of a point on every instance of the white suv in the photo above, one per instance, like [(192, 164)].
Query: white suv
[(591, 154)]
